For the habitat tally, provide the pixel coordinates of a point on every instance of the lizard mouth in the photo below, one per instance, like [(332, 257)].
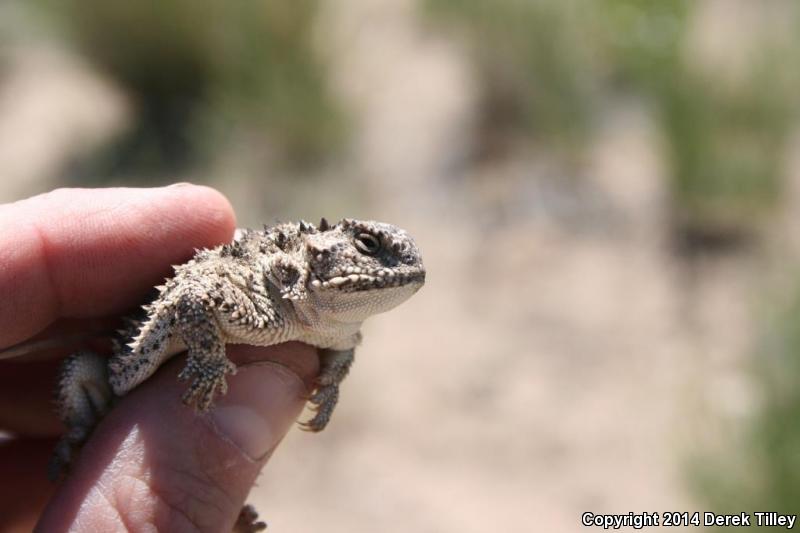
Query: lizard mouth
[(360, 281)]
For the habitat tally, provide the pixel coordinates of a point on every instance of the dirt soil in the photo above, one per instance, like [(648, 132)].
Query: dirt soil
[(560, 358)]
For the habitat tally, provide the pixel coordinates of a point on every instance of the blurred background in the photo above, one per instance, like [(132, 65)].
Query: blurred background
[(607, 195)]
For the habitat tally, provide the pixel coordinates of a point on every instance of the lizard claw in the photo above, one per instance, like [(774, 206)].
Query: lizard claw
[(247, 522), (209, 381), (323, 401)]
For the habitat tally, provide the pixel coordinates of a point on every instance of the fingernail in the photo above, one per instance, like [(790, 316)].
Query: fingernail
[(179, 184), (263, 401)]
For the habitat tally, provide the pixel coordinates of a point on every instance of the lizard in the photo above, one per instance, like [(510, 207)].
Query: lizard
[(290, 281)]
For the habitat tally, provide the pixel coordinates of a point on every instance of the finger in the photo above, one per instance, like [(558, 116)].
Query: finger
[(155, 463), (81, 253), (25, 488), (27, 382), (64, 336), (26, 398)]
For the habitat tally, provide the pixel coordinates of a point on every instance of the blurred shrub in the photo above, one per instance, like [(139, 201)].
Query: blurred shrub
[(643, 39), (201, 73), (546, 67), (724, 138), (534, 63), (759, 468), (725, 145)]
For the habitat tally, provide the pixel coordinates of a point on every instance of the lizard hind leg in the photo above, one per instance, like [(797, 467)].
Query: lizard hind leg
[(83, 396), (247, 521)]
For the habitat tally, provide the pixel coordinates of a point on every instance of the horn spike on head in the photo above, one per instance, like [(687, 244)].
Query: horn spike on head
[(323, 224)]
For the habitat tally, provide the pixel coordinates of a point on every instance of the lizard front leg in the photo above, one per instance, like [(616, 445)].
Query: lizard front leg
[(206, 362), (334, 367)]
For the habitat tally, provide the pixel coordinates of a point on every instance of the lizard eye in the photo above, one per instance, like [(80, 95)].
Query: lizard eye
[(367, 244)]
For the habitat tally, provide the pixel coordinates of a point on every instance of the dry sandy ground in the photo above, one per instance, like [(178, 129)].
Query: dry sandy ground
[(559, 359), (542, 372)]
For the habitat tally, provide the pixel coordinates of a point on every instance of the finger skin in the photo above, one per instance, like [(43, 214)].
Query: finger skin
[(94, 252), (24, 489), (26, 398), (155, 463)]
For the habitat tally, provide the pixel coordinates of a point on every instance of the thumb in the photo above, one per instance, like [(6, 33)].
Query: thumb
[(154, 463)]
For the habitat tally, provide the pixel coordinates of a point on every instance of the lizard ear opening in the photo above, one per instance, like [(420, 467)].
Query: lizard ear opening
[(290, 276)]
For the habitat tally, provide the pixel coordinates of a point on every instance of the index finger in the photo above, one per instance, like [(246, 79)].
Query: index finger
[(81, 253)]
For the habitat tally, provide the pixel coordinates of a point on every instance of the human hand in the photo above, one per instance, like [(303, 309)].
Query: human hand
[(69, 260)]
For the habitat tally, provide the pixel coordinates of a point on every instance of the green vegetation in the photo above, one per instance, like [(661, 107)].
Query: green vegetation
[(546, 66), (725, 144), (643, 39), (724, 139), (759, 469), (535, 65), (206, 74)]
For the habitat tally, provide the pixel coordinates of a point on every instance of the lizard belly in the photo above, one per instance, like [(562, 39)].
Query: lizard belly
[(239, 334)]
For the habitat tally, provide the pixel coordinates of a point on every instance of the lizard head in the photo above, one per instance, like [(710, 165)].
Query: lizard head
[(360, 268)]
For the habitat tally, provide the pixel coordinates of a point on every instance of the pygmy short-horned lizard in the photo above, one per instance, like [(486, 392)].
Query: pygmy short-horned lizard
[(292, 281)]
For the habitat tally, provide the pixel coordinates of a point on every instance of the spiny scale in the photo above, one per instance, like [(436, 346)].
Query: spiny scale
[(291, 281)]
